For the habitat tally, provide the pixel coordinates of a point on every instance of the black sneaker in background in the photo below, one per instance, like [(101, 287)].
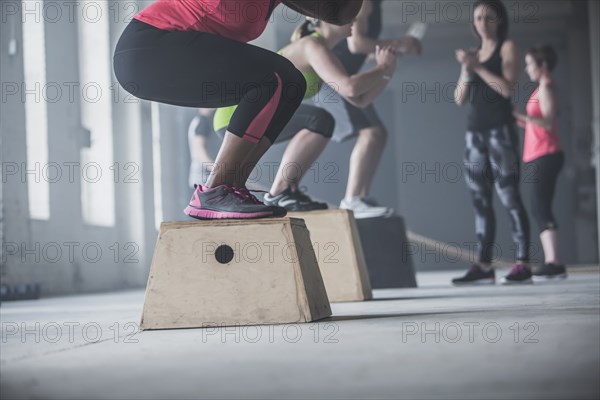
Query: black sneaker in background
[(476, 276), (519, 274), (550, 271), (247, 196), (294, 201)]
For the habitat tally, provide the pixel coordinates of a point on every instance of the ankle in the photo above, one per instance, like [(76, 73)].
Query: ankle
[(278, 191), (213, 183), (279, 188)]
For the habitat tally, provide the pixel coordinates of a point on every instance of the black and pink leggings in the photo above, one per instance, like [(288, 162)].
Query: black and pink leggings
[(315, 119), (195, 69)]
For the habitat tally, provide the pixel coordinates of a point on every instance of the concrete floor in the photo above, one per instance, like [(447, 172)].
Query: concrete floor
[(540, 341)]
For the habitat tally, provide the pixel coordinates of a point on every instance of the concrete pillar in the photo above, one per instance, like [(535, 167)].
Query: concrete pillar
[(594, 18), (132, 141), (577, 110), (14, 218)]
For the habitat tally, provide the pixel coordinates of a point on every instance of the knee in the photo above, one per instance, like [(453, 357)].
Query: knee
[(324, 123), (481, 203), (510, 197), (296, 82), (292, 81), (221, 133), (541, 221), (550, 225), (543, 217)]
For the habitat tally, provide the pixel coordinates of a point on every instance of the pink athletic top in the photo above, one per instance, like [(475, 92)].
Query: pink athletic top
[(240, 20), (538, 141)]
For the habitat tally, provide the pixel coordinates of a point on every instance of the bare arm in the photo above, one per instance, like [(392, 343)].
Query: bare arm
[(359, 89), (338, 12), (549, 107), (510, 71), (461, 93), (386, 59), (370, 95), (547, 99), (361, 43)]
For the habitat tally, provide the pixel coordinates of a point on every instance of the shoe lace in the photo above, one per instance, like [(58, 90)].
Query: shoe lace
[(246, 195), (370, 202), (475, 268)]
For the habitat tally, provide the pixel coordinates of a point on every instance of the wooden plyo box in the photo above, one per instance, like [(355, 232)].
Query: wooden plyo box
[(234, 272), (336, 241)]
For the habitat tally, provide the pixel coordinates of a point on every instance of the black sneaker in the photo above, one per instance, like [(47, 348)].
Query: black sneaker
[(294, 201), (519, 274), (228, 202), (476, 276), (247, 196), (550, 271)]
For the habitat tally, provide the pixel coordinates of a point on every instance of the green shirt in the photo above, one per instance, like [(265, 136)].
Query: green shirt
[(223, 115)]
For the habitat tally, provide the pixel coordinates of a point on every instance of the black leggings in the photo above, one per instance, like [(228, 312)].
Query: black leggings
[(195, 69), (309, 117), (545, 172), (491, 159)]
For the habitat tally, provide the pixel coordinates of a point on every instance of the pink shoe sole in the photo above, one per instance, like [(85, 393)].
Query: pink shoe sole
[(209, 214)]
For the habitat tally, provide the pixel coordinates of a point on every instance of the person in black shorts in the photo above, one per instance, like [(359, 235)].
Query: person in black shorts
[(364, 123), (311, 127)]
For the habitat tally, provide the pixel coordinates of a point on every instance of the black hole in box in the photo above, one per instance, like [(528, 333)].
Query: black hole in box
[(224, 254)]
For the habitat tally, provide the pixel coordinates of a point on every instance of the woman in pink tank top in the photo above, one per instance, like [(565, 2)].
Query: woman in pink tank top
[(543, 154)]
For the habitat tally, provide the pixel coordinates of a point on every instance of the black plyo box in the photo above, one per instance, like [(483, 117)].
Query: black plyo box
[(387, 254)]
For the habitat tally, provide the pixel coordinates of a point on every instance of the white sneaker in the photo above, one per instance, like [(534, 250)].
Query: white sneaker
[(365, 209)]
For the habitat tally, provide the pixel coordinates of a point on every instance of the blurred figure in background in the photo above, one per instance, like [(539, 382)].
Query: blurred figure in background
[(311, 127), (362, 123), (199, 130), (488, 76), (543, 152)]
